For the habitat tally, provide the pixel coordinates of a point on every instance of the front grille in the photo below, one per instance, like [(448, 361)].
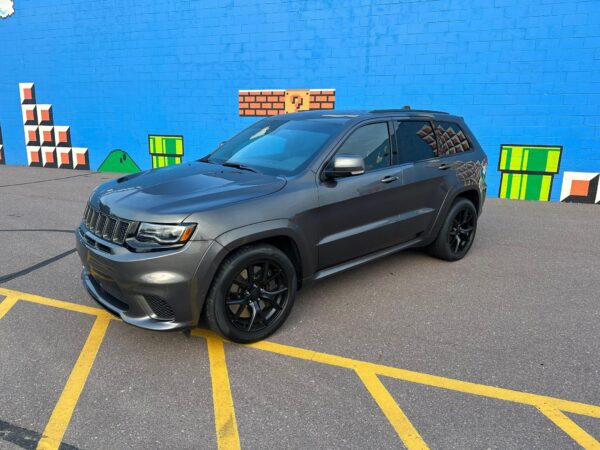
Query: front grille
[(107, 227), (161, 309), (99, 228), (121, 232)]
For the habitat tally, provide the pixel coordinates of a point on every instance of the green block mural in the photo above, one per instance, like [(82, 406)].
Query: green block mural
[(165, 150), (119, 161), (528, 171)]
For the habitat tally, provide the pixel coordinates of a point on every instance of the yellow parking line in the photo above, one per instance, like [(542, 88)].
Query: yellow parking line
[(577, 433), (430, 380), (405, 429), (225, 423), (8, 302), (201, 332), (61, 415), (69, 306)]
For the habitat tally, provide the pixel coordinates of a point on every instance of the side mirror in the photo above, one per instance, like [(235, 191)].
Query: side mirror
[(345, 165)]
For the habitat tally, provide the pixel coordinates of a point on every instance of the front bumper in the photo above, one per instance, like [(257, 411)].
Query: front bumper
[(157, 290)]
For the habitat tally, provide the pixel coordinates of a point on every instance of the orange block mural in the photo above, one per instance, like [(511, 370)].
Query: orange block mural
[(580, 187), (262, 103), (47, 145)]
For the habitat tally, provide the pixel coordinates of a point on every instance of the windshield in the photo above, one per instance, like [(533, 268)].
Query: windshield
[(277, 146)]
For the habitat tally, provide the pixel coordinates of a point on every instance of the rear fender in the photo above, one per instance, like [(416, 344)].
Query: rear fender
[(445, 208)]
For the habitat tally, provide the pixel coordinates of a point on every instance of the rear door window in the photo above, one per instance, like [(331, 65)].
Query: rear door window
[(415, 140), (451, 139)]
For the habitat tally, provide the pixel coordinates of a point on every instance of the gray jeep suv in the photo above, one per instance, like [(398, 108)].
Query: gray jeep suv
[(287, 201)]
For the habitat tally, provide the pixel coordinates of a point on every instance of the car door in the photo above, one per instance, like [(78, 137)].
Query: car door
[(357, 214), (425, 177)]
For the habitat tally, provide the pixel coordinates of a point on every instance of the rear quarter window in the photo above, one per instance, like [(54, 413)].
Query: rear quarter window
[(415, 141), (451, 139)]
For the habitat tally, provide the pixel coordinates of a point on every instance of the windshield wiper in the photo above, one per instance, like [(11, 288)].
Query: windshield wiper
[(239, 166), (206, 159)]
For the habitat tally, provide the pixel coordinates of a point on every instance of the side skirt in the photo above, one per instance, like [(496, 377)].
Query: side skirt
[(363, 259)]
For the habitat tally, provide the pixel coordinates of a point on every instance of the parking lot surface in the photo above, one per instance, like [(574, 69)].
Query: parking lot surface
[(499, 350)]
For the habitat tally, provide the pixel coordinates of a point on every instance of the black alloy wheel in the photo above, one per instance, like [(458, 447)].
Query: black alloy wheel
[(257, 296), (252, 293), (462, 231), (457, 232)]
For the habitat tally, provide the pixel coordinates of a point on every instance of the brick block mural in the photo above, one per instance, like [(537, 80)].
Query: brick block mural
[(2, 160), (165, 150), (257, 103), (580, 187), (527, 171), (47, 144)]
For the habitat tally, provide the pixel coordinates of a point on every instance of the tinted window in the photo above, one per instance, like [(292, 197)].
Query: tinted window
[(277, 146), (372, 143), (416, 141), (451, 138)]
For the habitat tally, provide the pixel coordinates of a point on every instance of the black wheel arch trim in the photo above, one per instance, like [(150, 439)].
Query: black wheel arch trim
[(270, 229), (451, 196)]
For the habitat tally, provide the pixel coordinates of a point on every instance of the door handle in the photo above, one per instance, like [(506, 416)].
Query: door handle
[(388, 179), (444, 166)]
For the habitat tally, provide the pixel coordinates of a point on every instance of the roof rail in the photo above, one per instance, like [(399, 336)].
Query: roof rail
[(406, 109)]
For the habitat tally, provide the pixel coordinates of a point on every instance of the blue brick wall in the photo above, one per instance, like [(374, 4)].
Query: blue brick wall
[(519, 71)]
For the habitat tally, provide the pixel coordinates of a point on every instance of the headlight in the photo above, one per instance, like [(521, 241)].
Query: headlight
[(165, 234)]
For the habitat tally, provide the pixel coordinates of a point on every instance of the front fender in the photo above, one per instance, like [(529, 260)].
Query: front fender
[(269, 229)]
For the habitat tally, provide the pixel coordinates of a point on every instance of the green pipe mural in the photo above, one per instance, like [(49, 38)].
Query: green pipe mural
[(165, 150), (527, 171)]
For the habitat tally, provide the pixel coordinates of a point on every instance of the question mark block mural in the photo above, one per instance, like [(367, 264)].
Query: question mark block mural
[(528, 171), (262, 103), (297, 100), (165, 150)]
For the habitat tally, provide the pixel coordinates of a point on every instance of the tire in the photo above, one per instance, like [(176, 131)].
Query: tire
[(246, 303), (452, 244)]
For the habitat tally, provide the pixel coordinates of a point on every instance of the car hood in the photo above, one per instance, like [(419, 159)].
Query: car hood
[(170, 194)]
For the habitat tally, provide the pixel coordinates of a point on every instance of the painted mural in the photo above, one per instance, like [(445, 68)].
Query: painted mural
[(47, 144), (165, 150), (2, 160), (580, 187), (527, 171), (256, 103), (143, 89), (7, 8), (119, 161)]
